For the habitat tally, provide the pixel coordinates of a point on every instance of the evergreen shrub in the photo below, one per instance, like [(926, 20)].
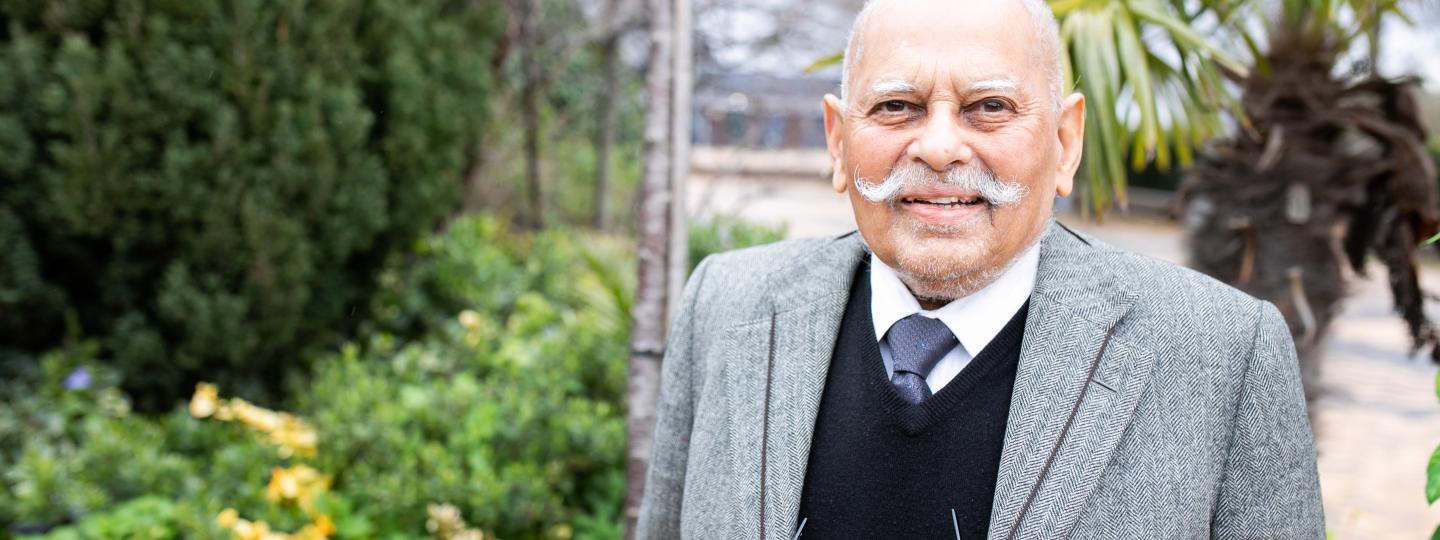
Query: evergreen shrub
[(210, 185), (722, 232), (491, 381)]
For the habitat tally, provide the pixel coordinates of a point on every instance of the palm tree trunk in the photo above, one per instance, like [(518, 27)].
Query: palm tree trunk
[(1327, 173)]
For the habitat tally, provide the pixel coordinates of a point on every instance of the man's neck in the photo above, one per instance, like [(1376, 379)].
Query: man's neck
[(929, 304)]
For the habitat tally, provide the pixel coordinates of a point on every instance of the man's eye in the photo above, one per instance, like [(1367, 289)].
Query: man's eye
[(894, 106), (993, 106)]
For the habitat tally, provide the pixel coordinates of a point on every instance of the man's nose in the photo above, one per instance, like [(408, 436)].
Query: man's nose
[(942, 142)]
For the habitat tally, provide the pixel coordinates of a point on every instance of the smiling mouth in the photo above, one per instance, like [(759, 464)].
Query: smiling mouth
[(946, 202)]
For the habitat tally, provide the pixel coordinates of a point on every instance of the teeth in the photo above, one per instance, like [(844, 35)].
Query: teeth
[(942, 200)]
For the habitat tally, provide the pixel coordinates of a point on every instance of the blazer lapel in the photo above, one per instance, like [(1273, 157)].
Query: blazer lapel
[(804, 327), (1075, 391)]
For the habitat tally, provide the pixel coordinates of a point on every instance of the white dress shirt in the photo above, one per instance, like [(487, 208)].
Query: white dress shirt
[(975, 319)]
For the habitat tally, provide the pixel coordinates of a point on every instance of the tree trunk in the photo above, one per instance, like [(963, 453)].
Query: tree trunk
[(530, 110), (647, 337), (682, 87), (605, 110)]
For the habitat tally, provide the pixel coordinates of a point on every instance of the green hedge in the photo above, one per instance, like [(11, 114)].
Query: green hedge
[(208, 186), (723, 232), (506, 402)]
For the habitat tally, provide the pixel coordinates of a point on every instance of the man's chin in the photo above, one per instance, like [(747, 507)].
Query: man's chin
[(943, 267), (956, 226)]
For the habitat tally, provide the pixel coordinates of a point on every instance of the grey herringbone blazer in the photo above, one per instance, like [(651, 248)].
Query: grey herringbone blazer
[(1150, 401)]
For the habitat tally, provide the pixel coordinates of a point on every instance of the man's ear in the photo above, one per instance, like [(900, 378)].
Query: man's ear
[(834, 127), (1071, 133)]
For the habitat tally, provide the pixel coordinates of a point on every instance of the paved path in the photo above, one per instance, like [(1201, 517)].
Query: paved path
[(1378, 417)]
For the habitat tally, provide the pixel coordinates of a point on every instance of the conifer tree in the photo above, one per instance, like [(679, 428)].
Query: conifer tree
[(213, 183)]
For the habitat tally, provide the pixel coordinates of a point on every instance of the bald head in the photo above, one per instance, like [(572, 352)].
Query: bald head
[(1039, 23)]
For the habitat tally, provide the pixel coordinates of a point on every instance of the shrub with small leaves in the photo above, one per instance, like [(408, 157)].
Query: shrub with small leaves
[(207, 187), (724, 232)]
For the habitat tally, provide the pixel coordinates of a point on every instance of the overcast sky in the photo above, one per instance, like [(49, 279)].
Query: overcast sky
[(1412, 49)]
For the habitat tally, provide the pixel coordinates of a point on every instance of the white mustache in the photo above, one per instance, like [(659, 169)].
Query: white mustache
[(971, 177)]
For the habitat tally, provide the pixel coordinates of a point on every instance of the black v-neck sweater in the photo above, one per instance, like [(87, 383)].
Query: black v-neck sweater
[(883, 468)]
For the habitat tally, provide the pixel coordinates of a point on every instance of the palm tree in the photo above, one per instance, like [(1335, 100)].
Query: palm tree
[(1160, 61), (1321, 167), (1329, 167)]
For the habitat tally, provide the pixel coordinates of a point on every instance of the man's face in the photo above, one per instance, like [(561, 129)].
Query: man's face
[(961, 88)]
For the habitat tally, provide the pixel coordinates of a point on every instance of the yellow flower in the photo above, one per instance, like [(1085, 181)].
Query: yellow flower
[(446, 523), (256, 417), (205, 400), (473, 324), (291, 434), (227, 518), (469, 319), (324, 525), (321, 529), (299, 485), (251, 530), (294, 436)]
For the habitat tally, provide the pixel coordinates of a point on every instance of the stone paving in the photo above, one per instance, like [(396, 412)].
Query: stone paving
[(1378, 418)]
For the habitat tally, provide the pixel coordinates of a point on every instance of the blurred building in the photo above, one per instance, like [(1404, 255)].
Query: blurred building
[(761, 111)]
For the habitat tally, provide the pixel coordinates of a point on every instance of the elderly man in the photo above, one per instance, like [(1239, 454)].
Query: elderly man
[(965, 367)]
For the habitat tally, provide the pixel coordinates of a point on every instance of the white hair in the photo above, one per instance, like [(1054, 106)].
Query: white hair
[(972, 176), (1046, 29)]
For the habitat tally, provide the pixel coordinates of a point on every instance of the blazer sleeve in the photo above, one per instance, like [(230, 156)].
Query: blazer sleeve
[(665, 478), (1271, 488)]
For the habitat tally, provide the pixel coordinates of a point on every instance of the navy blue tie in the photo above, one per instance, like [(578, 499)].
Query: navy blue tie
[(917, 343)]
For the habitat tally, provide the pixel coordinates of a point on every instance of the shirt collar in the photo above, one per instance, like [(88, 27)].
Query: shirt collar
[(975, 319)]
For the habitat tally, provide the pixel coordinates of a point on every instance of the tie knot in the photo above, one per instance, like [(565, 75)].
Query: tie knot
[(918, 342)]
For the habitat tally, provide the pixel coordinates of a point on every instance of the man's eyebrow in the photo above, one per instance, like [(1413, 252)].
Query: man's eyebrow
[(893, 86), (993, 84)]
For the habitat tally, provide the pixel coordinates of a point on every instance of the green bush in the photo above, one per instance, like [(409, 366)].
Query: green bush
[(721, 233), (71, 448), (492, 379), (145, 518), (510, 408), (207, 187)]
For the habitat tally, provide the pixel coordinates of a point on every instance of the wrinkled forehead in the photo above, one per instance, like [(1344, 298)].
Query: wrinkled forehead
[(934, 42)]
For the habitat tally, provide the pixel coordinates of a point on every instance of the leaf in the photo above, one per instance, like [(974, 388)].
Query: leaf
[(1432, 478), (1184, 35), (1436, 535), (1137, 73), (1183, 155), (1427, 242), (1061, 8), (832, 60)]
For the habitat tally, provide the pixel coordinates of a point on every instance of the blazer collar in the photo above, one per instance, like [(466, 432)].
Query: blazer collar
[(1076, 389), (1074, 392), (808, 303)]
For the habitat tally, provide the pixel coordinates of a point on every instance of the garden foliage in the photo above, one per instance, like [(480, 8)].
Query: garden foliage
[(489, 385), (1432, 472), (725, 232), (207, 187)]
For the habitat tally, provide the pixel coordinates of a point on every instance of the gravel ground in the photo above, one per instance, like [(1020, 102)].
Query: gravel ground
[(1378, 417)]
